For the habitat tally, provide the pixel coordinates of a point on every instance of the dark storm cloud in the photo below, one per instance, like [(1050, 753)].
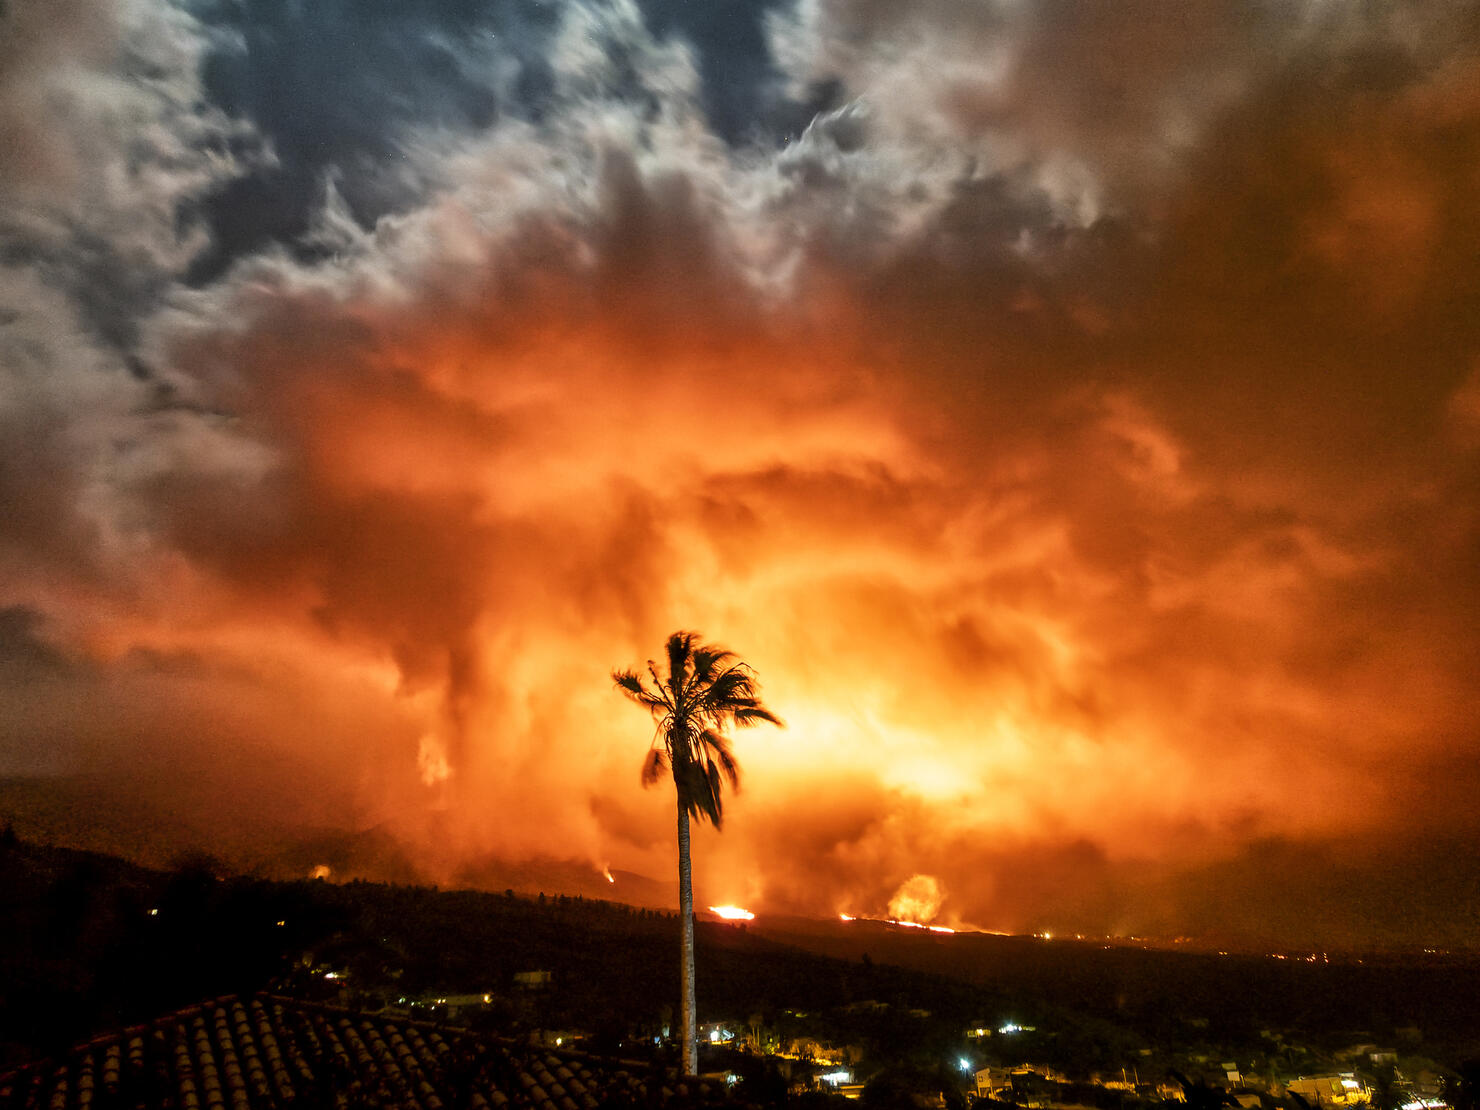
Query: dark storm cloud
[(337, 90), (353, 93), (744, 93), (24, 651)]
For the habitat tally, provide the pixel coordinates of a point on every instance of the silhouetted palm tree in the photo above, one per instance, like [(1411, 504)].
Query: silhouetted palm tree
[(706, 689)]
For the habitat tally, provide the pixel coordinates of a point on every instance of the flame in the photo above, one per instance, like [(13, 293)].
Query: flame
[(732, 913), (917, 901), (607, 874), (322, 871)]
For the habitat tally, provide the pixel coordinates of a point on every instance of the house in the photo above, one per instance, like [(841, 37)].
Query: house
[(273, 1053), (1341, 1089), (455, 1007), (990, 1082), (1022, 1085), (716, 1032)]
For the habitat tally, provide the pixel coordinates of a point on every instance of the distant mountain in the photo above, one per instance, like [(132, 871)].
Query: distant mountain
[(88, 812), (93, 813), (555, 876), (373, 854)]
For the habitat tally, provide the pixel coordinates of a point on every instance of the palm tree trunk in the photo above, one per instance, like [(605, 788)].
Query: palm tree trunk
[(688, 1008)]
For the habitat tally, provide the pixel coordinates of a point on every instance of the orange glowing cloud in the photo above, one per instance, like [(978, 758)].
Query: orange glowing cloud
[(1097, 513)]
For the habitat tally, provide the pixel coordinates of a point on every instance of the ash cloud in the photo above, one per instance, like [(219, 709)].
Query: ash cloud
[(1075, 433)]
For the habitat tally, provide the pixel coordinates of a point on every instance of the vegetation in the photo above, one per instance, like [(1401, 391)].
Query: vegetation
[(704, 691)]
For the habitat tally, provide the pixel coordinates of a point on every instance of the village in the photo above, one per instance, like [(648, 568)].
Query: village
[(1000, 1063)]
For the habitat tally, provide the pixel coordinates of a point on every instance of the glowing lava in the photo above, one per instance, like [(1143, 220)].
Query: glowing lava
[(920, 925), (732, 913), (901, 924)]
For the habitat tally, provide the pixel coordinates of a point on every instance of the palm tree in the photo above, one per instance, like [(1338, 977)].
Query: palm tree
[(706, 690)]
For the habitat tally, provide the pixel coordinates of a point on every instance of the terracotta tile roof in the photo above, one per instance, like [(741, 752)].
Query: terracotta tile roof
[(269, 1053)]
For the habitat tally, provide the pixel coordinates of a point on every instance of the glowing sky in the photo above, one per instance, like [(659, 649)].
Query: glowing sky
[(1071, 410)]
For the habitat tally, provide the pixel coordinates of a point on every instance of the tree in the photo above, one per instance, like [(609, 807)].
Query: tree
[(1202, 1095), (1462, 1090), (705, 691), (1385, 1092)]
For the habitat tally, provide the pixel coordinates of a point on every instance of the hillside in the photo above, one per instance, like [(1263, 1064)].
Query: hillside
[(1157, 991), (91, 942)]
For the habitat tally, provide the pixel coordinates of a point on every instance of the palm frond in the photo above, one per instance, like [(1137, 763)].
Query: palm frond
[(749, 715), (628, 681), (734, 696), (653, 766), (632, 685), (680, 655), (698, 792), (734, 684), (717, 749), (716, 792), (708, 659), (661, 686)]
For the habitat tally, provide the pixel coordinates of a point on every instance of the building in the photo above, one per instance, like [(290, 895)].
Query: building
[(271, 1053), (990, 1082), (1342, 1089), (1025, 1085)]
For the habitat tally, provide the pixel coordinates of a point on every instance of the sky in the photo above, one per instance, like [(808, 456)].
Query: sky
[(1071, 411)]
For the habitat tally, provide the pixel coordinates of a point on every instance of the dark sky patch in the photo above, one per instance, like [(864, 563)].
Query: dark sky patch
[(334, 88)]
